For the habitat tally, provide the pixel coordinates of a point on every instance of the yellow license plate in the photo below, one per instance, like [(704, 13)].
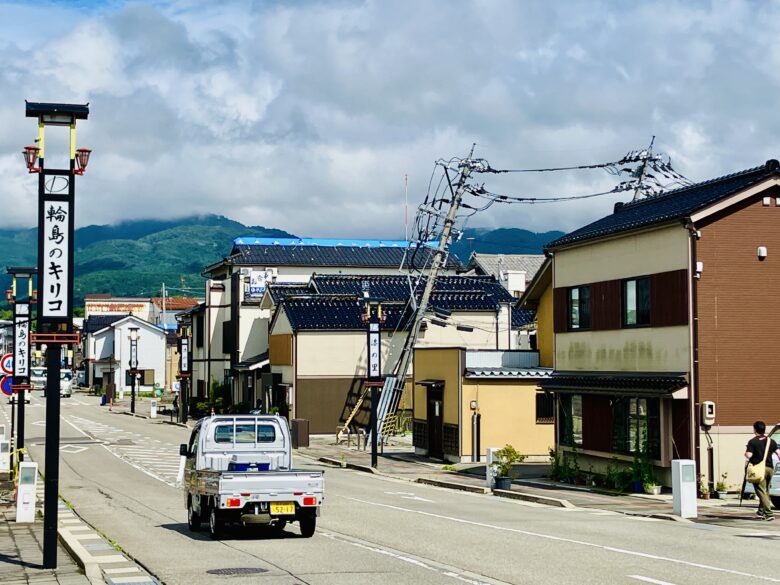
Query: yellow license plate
[(282, 507)]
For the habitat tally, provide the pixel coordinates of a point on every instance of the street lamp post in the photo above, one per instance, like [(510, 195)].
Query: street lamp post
[(21, 295), (56, 203), (133, 365)]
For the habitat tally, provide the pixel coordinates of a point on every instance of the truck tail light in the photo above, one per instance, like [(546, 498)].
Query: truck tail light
[(233, 502), (309, 501)]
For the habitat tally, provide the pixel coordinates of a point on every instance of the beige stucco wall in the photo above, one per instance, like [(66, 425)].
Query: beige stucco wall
[(342, 353), (482, 337), (728, 453), (253, 331), (660, 349), (438, 364), (545, 338), (660, 250), (508, 410)]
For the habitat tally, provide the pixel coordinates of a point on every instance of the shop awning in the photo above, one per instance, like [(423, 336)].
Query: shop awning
[(668, 384), (253, 363), (430, 383)]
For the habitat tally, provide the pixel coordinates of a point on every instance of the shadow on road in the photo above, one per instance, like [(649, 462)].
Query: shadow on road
[(235, 532)]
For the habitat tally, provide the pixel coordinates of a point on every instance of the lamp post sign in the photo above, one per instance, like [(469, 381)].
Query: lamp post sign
[(56, 204), (22, 341)]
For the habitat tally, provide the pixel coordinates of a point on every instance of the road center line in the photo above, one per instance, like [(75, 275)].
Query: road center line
[(649, 580), (621, 551)]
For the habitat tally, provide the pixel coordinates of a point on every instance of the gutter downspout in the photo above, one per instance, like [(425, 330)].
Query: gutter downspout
[(693, 324)]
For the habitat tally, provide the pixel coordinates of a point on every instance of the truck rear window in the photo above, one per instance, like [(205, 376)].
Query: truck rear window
[(244, 433)]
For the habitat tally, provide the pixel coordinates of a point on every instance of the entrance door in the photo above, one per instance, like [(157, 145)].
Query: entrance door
[(435, 421)]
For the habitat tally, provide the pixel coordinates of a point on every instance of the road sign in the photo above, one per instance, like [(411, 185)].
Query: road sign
[(7, 364), (5, 385)]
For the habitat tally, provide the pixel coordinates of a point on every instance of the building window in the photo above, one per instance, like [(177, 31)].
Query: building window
[(545, 413), (147, 378), (570, 428), (636, 426), (579, 307), (199, 331), (636, 302)]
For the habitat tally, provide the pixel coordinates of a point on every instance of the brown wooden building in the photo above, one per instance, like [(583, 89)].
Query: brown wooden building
[(661, 306)]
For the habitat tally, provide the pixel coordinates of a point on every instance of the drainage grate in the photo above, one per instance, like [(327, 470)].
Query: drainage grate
[(236, 571)]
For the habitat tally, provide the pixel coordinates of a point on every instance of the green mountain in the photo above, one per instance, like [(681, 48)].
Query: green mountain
[(502, 241), (134, 258)]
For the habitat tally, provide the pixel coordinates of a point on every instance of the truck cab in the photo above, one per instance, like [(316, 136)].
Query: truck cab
[(238, 469)]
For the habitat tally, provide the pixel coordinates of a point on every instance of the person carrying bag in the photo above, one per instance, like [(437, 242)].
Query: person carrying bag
[(759, 469)]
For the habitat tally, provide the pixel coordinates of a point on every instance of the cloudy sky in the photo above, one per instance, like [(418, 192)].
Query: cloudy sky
[(307, 115)]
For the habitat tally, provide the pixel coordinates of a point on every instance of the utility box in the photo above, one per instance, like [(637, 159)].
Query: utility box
[(25, 491), (684, 488), (5, 455), (152, 408), (300, 432)]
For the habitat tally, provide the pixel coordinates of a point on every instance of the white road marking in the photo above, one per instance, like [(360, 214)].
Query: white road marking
[(427, 564), (409, 496), (72, 449), (584, 543), (649, 580)]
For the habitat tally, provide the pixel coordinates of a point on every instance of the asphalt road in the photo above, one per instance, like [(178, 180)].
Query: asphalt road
[(119, 473)]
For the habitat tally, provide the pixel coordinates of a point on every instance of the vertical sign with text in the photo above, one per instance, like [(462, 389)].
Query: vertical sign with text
[(374, 362), (56, 256), (185, 356), (22, 341)]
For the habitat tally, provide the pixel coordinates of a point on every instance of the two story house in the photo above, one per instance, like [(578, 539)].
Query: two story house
[(661, 306)]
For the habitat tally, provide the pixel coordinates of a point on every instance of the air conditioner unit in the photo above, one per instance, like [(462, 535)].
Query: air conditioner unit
[(271, 273), (244, 272)]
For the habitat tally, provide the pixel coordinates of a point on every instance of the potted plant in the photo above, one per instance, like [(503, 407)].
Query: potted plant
[(721, 487), (503, 460), (652, 488), (703, 489)]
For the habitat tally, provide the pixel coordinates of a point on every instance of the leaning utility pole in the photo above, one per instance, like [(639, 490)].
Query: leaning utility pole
[(389, 401), (647, 156)]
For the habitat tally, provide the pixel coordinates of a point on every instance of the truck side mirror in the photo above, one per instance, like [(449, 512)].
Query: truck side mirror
[(183, 451)]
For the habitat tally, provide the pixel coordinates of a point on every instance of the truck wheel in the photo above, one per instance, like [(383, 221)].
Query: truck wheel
[(216, 524), (193, 518), (308, 524)]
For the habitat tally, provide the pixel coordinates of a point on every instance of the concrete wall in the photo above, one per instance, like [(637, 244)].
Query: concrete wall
[(252, 331)]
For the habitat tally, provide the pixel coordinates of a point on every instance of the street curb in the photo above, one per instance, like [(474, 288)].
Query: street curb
[(658, 516), (547, 501), (91, 570), (345, 464), (135, 415), (176, 424), (453, 485)]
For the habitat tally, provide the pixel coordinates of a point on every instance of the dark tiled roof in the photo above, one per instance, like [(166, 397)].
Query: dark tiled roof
[(463, 293), (621, 383), (325, 313), (353, 256), (522, 317), (670, 206), (98, 322), (280, 291)]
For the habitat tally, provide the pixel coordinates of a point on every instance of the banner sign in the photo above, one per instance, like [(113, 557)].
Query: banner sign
[(185, 355), (133, 354), (56, 250), (258, 281), (22, 341), (374, 362)]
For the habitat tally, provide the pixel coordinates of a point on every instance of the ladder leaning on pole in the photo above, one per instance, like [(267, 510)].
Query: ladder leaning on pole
[(344, 430)]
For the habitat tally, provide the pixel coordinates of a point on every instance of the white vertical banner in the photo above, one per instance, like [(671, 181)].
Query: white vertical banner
[(374, 363), (22, 341), (56, 250), (185, 355)]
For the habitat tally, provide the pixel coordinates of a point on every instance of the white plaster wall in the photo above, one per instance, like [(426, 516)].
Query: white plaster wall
[(729, 448), (253, 331)]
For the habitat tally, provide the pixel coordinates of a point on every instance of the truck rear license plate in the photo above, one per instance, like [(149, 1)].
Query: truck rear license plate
[(282, 507)]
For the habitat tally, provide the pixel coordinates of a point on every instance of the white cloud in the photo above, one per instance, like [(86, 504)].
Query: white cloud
[(306, 115)]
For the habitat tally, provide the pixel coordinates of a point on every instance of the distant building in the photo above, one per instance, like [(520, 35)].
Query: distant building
[(513, 271)]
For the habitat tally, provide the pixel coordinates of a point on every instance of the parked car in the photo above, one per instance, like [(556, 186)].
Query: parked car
[(38, 378), (774, 486)]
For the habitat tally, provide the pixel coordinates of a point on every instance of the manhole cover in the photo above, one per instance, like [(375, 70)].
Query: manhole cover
[(236, 571)]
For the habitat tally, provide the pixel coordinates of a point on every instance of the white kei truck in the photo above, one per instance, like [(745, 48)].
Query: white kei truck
[(238, 469)]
